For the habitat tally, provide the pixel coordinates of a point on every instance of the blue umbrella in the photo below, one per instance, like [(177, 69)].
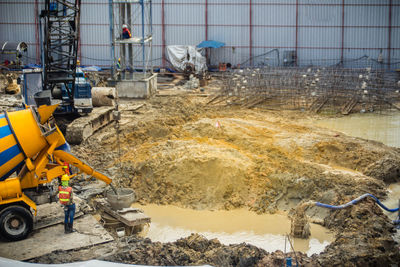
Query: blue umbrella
[(210, 44)]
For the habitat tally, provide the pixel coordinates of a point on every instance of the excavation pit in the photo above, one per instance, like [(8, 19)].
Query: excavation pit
[(217, 159)]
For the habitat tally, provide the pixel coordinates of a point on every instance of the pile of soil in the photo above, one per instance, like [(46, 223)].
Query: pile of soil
[(364, 237), (181, 153), (97, 80), (192, 250), (196, 250)]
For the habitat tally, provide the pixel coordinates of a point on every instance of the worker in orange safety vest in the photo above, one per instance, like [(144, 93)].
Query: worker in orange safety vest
[(65, 196)]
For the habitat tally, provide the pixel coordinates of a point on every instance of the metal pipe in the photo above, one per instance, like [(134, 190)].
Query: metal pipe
[(163, 32), (151, 34), (79, 48), (36, 14), (122, 46), (297, 30), (206, 20), (342, 45), (143, 36), (206, 30), (251, 32), (390, 31), (112, 48), (41, 48), (129, 46)]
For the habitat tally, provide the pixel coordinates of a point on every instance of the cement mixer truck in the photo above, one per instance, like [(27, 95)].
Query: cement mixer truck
[(33, 148)]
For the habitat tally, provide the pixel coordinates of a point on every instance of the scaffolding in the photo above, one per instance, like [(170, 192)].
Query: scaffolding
[(131, 57)]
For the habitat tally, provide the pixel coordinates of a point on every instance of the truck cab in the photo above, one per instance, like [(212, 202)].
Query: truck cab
[(82, 102), (82, 99)]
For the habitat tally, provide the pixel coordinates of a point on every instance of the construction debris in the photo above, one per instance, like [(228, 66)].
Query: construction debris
[(12, 87), (131, 220), (193, 83), (300, 227)]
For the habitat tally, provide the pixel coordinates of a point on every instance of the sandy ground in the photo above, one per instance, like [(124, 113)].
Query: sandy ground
[(178, 150)]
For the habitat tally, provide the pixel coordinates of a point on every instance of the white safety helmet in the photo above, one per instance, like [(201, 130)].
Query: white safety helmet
[(124, 26)]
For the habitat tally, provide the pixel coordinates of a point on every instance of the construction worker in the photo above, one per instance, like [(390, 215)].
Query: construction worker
[(65, 196), (66, 170), (126, 33)]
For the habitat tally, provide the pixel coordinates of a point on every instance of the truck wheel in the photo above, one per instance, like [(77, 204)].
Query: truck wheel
[(16, 223)]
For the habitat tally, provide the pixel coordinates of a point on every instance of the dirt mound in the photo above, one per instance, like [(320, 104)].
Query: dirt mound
[(192, 250), (196, 250), (364, 238), (244, 162), (386, 169), (196, 174), (177, 151)]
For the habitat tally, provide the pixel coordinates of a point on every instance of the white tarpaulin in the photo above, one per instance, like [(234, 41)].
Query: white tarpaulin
[(183, 56)]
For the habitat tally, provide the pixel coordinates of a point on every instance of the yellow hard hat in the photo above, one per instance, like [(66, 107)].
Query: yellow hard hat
[(65, 177)]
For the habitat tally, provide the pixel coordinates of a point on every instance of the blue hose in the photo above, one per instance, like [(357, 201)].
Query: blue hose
[(354, 201)]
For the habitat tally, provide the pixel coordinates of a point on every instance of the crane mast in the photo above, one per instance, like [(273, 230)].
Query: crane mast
[(60, 44)]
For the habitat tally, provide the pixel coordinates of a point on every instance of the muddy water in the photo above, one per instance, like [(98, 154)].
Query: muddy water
[(384, 128), (392, 201), (170, 223)]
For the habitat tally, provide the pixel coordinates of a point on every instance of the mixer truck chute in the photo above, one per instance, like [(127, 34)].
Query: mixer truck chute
[(32, 146)]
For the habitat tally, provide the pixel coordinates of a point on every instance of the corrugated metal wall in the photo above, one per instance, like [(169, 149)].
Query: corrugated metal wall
[(95, 33), (323, 32)]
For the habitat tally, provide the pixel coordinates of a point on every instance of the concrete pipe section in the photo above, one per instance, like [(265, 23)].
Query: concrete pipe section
[(103, 96)]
